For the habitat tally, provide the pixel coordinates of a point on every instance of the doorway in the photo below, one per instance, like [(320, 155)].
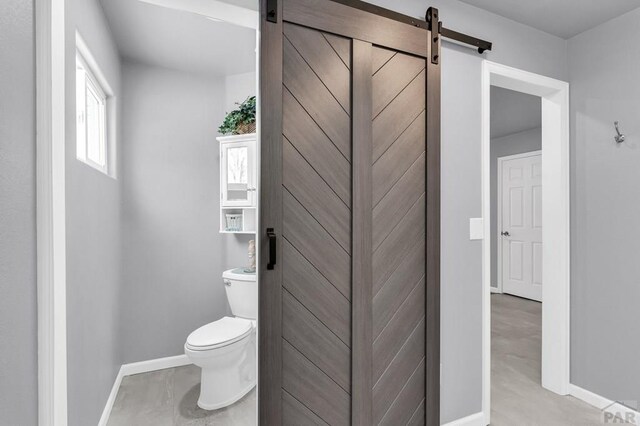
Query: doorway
[(554, 213), (135, 239)]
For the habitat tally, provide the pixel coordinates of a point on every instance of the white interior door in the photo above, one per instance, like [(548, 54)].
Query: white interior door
[(521, 225)]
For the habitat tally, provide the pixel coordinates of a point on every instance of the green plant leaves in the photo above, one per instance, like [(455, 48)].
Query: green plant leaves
[(244, 114)]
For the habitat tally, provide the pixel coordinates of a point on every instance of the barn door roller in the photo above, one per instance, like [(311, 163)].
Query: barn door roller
[(435, 27), (437, 30)]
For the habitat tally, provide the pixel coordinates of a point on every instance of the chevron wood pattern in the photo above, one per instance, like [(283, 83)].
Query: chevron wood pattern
[(317, 181), (314, 96), (350, 172), (316, 301), (380, 57), (395, 117), (419, 416), (316, 293), (398, 82), (316, 195), (296, 414), (314, 145), (411, 395), (342, 46), (313, 388), (322, 58)]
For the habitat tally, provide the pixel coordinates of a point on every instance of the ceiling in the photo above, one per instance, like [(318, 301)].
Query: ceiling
[(248, 4), (180, 40), (563, 18), (513, 112)]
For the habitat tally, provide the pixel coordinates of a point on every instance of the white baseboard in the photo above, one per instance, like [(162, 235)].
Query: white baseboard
[(614, 408), (495, 290), (111, 400), (154, 365), (476, 419), (589, 397), (138, 368)]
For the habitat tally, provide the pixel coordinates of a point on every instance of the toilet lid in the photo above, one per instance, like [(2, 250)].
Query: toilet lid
[(240, 274), (219, 333)]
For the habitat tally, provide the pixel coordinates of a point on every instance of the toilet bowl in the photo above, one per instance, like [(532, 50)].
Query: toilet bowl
[(225, 349)]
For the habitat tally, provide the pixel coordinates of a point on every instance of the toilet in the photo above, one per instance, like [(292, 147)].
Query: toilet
[(225, 349)]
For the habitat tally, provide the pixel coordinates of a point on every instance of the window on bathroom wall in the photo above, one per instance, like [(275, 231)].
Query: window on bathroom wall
[(94, 100)]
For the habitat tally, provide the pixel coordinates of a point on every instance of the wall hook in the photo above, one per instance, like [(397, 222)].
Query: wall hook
[(619, 137)]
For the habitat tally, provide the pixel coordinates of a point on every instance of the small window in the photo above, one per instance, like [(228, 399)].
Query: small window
[(92, 144)]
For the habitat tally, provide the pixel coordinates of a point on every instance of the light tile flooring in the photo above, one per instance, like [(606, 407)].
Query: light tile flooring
[(517, 398), (168, 398)]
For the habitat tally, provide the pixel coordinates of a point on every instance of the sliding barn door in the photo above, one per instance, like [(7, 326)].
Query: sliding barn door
[(349, 276)]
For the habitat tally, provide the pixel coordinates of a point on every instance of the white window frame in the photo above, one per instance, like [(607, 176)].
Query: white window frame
[(95, 82)]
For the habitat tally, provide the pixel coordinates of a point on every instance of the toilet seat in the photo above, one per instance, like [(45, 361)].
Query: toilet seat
[(219, 333)]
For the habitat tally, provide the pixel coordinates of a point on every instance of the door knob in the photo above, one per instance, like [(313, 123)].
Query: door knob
[(505, 234)]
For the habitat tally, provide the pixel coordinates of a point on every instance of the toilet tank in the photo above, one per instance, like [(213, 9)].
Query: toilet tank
[(242, 292)]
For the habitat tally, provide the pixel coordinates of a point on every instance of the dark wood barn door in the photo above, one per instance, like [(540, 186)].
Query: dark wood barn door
[(349, 214)]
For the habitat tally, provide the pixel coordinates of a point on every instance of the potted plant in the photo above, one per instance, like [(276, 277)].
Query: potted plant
[(242, 120)]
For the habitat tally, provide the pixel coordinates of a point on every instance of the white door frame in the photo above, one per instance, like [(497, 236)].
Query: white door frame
[(555, 216), (50, 212), (501, 161)]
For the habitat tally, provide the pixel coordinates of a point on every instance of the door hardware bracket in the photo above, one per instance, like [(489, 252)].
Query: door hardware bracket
[(435, 27), (272, 11), (438, 30)]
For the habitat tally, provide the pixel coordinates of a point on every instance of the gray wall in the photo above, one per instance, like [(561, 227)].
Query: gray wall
[(515, 45), (517, 143), (605, 207), (93, 237), (513, 112), (173, 254), (238, 87), (18, 327)]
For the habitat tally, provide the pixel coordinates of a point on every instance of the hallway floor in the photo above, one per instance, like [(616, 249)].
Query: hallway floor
[(517, 398), (168, 398)]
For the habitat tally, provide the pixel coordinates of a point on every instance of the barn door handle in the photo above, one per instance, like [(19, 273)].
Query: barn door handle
[(272, 249)]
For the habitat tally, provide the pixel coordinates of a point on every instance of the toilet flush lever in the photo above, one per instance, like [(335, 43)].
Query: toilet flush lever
[(272, 248)]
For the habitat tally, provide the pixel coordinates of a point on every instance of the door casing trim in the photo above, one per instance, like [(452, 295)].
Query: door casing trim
[(50, 212), (556, 218)]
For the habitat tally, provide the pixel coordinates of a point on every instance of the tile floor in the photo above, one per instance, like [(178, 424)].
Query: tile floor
[(168, 398), (517, 398)]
